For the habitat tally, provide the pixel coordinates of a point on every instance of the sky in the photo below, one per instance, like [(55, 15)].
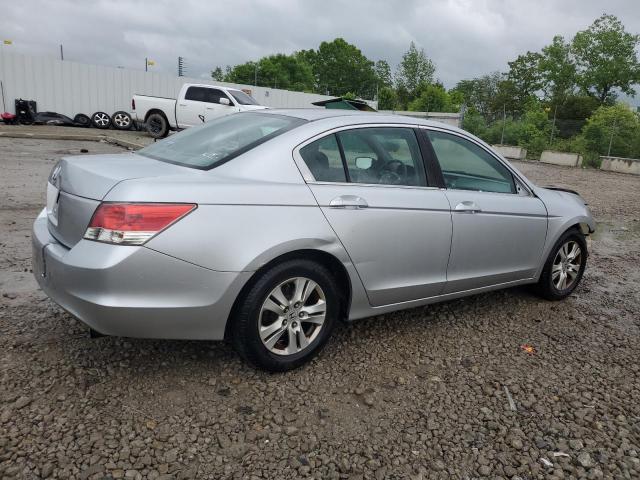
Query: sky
[(464, 38)]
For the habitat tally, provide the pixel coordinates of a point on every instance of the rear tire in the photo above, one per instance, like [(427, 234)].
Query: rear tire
[(564, 267), (304, 294), (157, 125), (101, 120)]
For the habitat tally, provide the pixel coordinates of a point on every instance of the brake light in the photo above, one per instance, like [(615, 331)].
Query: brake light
[(133, 104), (133, 223)]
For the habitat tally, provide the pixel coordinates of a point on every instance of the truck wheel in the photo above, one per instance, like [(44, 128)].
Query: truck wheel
[(101, 120), (157, 125), (121, 120)]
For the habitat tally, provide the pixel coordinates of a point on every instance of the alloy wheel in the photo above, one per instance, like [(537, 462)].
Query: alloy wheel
[(121, 120), (101, 119), (292, 316), (566, 265)]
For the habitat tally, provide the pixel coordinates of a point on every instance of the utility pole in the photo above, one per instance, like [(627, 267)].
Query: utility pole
[(255, 75), (146, 64), (613, 128), (553, 125), (504, 122), (61, 53)]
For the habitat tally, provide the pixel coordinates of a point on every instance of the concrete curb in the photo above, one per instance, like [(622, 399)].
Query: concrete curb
[(58, 136)]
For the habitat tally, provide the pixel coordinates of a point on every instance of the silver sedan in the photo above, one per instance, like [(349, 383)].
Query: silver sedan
[(269, 227)]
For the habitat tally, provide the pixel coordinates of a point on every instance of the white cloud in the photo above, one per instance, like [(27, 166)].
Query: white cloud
[(464, 38)]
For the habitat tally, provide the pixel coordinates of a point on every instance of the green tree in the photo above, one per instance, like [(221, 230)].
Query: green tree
[(387, 99), (415, 69), (432, 98), (524, 76), (340, 67), (277, 71), (217, 74), (383, 74), (479, 94), (557, 71), (606, 58), (616, 125)]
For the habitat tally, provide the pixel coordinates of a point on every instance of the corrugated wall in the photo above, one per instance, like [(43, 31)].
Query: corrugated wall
[(70, 87)]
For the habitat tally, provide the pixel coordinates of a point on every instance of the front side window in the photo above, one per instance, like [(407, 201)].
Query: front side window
[(220, 140), (196, 94), (214, 95), (383, 155), (466, 166), (242, 98)]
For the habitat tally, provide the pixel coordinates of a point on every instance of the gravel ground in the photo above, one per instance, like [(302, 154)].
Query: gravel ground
[(423, 393)]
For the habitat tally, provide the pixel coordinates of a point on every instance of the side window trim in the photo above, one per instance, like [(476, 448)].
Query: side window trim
[(430, 160), (342, 157), (515, 177)]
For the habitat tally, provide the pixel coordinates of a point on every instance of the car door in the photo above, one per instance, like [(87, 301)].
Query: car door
[(218, 104), (190, 109), (372, 187), (499, 226)]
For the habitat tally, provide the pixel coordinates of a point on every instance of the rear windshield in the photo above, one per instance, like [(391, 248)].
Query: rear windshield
[(219, 140), (242, 98)]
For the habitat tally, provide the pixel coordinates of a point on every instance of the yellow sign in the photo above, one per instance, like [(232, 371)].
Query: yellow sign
[(8, 42), (150, 63)]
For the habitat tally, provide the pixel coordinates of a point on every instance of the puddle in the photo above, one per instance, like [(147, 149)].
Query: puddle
[(616, 231)]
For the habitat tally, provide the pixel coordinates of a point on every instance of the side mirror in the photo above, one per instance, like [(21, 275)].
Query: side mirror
[(364, 163), (224, 101)]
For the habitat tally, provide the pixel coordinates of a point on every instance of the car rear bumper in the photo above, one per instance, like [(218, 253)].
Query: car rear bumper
[(134, 291)]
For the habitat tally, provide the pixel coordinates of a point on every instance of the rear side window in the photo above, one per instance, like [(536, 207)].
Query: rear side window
[(323, 159), (466, 166), (220, 140)]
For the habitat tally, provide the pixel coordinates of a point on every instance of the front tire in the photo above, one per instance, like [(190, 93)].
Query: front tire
[(564, 267), (286, 316)]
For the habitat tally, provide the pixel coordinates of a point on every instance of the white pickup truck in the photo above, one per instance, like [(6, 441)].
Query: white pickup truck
[(196, 104)]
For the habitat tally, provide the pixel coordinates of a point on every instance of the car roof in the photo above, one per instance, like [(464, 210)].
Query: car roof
[(350, 117)]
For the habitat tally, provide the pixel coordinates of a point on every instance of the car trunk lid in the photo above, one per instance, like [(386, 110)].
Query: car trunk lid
[(78, 185)]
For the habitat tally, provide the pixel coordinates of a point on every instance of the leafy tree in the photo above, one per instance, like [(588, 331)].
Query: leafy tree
[(217, 74), (617, 125), (277, 71), (557, 71), (415, 69), (479, 94), (524, 75), (383, 73), (606, 58), (432, 98), (387, 99), (340, 67)]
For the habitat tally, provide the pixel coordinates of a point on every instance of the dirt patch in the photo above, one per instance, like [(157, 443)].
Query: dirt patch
[(414, 394)]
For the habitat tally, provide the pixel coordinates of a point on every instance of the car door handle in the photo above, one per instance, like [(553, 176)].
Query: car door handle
[(468, 207), (348, 201), (182, 104)]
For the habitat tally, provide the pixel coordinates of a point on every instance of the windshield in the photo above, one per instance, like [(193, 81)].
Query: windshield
[(242, 98), (219, 140)]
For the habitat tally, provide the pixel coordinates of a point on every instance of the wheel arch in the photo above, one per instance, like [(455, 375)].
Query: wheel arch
[(332, 263), (156, 110)]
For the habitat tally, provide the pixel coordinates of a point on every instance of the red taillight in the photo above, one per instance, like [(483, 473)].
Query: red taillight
[(133, 223), (133, 104)]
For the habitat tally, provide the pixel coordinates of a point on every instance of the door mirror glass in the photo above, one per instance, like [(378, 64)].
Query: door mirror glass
[(364, 163), (224, 101)]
